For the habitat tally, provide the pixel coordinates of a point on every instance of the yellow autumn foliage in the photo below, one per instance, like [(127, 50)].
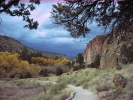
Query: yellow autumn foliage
[(50, 62), (10, 64), (63, 61), (71, 71)]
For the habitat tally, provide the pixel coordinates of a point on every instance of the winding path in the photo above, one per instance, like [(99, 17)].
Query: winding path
[(79, 93), (82, 94)]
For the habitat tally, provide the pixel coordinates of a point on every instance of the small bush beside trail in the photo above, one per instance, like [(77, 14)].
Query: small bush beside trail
[(59, 71)]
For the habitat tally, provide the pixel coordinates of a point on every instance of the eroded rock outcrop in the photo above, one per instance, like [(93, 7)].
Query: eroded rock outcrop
[(108, 46), (94, 47)]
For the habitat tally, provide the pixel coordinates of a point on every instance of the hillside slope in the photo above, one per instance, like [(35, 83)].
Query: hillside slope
[(12, 45)]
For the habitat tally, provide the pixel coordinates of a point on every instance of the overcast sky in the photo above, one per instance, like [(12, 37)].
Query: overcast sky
[(48, 37)]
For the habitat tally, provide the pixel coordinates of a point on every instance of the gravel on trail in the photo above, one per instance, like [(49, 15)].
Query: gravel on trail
[(82, 94)]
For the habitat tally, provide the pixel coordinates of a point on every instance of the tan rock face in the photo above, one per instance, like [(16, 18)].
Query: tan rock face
[(109, 54), (93, 48), (108, 47)]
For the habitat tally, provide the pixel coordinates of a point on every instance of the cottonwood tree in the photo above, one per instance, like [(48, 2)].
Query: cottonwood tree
[(10, 64), (77, 15), (18, 8)]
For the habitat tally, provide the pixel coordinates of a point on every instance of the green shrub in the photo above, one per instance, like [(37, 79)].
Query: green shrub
[(85, 85), (82, 66), (126, 53), (92, 65), (118, 89), (80, 59), (63, 84), (80, 81), (47, 97), (18, 82), (101, 87), (56, 88), (28, 75), (41, 96), (30, 84), (43, 72), (59, 71), (96, 62)]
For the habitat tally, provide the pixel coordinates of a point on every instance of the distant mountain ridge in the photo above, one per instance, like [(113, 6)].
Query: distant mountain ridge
[(13, 45)]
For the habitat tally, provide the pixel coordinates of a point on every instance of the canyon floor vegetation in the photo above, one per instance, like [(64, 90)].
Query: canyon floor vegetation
[(95, 80), (32, 89)]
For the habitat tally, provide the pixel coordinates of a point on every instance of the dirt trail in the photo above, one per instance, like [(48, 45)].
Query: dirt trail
[(82, 94)]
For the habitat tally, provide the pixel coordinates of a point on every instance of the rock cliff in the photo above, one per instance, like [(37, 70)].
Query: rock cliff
[(94, 47), (108, 46)]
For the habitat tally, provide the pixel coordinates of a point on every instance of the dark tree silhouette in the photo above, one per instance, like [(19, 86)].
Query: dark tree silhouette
[(59, 71), (80, 59), (77, 15), (20, 9)]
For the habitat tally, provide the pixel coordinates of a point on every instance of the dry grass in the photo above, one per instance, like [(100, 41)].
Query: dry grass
[(31, 89), (92, 79), (101, 80), (102, 87), (65, 93)]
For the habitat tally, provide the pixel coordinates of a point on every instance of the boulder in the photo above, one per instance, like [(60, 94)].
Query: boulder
[(106, 95), (119, 80)]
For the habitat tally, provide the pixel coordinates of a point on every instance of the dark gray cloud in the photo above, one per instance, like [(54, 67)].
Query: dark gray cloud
[(48, 37)]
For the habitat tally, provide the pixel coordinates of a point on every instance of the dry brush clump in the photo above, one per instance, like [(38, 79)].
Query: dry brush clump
[(25, 83), (85, 85), (56, 88), (65, 93), (102, 87)]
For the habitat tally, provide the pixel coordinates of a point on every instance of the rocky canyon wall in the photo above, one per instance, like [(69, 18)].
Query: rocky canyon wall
[(93, 48), (108, 46)]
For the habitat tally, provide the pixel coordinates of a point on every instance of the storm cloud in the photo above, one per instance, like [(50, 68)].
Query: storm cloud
[(48, 37)]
